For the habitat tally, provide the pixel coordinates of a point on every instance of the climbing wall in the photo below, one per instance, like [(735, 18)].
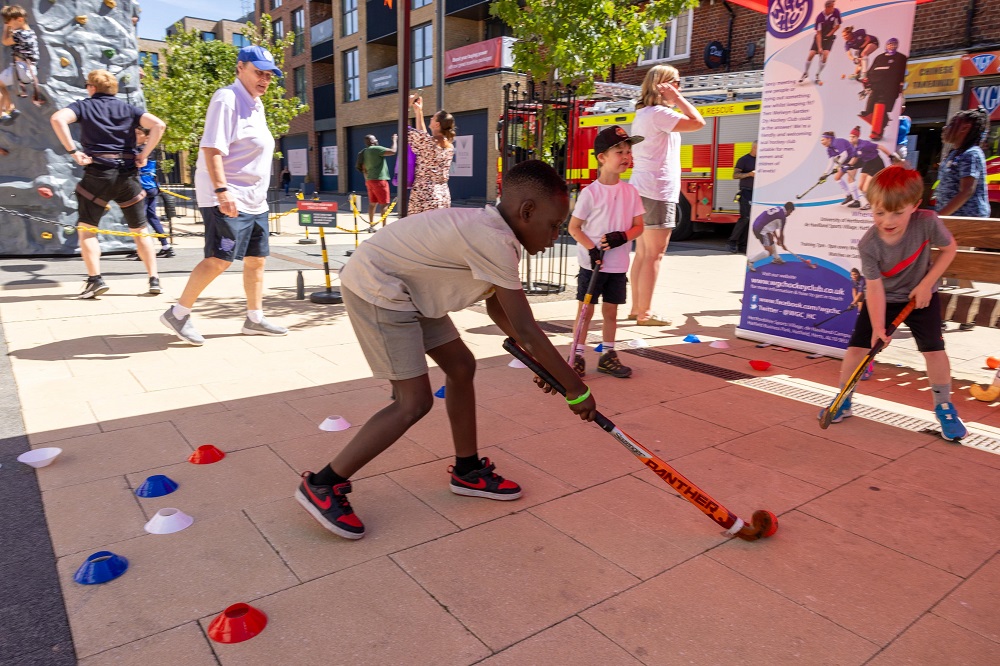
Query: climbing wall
[(74, 38)]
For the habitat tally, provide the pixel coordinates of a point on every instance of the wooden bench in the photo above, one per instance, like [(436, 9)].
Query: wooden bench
[(973, 307)]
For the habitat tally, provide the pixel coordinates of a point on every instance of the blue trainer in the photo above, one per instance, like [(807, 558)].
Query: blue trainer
[(952, 427), (842, 413)]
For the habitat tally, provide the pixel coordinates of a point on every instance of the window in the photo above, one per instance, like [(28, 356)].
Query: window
[(279, 29), (154, 60), (299, 74), (423, 56), (207, 36), (350, 17), (419, 3), (240, 40), (352, 85), (299, 28), (675, 46), (275, 4)]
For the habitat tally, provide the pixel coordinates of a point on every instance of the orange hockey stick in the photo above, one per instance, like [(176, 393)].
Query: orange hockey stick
[(763, 524)]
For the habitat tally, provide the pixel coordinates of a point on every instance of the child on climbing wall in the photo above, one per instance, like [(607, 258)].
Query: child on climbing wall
[(24, 48)]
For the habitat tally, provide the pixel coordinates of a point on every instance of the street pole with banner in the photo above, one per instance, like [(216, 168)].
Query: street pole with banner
[(808, 213)]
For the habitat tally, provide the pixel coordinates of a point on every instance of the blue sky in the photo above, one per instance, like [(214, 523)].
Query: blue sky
[(158, 15)]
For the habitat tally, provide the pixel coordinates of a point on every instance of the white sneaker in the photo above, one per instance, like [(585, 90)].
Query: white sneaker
[(264, 327)]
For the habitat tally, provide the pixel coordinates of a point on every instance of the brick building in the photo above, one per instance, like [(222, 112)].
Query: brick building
[(345, 67)]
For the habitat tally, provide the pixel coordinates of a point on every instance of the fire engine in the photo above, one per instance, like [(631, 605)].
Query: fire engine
[(730, 104)]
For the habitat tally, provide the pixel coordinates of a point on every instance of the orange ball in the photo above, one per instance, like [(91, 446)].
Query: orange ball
[(993, 362)]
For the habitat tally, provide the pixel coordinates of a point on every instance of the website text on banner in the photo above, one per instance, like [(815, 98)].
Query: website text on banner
[(833, 82)]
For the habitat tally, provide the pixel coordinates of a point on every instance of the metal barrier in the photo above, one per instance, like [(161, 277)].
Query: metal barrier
[(545, 273)]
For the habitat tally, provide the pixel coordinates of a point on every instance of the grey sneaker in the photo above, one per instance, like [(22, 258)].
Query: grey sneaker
[(263, 328), (182, 328), (93, 287)]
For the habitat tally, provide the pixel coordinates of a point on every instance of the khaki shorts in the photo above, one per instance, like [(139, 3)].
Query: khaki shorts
[(394, 342), (659, 214)]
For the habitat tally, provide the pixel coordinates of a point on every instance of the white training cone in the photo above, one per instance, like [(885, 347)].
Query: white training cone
[(516, 364), (334, 424), (39, 457), (168, 521), (638, 343), (719, 344)]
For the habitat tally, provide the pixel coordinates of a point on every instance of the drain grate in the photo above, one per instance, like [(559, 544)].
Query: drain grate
[(976, 440), (690, 364), (549, 327)]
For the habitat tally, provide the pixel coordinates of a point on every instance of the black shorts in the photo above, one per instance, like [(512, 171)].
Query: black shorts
[(872, 167), (233, 238), (101, 185), (613, 287), (826, 41), (924, 324)]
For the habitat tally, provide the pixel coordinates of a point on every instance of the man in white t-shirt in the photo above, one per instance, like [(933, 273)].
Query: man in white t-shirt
[(231, 179)]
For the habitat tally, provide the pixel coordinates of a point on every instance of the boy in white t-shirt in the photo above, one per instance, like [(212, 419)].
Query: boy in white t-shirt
[(607, 217)]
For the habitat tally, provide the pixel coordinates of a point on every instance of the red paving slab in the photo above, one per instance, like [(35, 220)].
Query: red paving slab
[(670, 434), (975, 604), (883, 440), (570, 642), (868, 589), (702, 612), (532, 574), (739, 409), (934, 640)]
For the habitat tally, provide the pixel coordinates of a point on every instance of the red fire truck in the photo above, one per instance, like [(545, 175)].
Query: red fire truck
[(731, 106)]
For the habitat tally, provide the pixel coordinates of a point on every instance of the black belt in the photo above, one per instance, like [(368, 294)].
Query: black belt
[(113, 156)]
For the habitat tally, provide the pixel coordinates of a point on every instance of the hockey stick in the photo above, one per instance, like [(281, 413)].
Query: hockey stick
[(578, 333), (827, 416), (832, 317), (807, 262), (822, 179), (762, 524)]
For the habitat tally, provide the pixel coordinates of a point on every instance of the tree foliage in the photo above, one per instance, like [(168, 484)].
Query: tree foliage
[(578, 41), (179, 94)]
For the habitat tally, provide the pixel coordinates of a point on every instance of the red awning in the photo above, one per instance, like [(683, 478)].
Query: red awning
[(761, 5)]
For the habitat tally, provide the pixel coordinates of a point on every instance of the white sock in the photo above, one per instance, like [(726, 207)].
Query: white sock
[(819, 70), (855, 191), (843, 186), (580, 349), (607, 346), (256, 316), (757, 257), (863, 199), (180, 311)]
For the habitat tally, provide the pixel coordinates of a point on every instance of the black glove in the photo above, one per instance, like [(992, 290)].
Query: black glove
[(596, 255), (615, 238)]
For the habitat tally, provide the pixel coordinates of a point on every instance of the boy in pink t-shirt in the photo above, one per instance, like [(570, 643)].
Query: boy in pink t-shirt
[(607, 218)]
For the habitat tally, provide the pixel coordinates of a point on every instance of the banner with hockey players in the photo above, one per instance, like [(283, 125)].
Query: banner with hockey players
[(833, 81)]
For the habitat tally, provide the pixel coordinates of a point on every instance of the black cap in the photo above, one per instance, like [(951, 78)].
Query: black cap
[(609, 137)]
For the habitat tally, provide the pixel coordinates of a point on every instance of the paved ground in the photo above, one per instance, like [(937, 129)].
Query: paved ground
[(886, 554)]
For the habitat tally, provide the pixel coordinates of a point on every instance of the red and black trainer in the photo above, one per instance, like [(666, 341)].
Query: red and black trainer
[(484, 482), (330, 507)]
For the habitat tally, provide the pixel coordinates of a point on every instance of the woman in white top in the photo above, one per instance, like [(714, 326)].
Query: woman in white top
[(661, 115)]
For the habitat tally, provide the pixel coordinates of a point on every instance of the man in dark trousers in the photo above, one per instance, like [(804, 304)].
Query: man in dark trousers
[(884, 84), (744, 172)]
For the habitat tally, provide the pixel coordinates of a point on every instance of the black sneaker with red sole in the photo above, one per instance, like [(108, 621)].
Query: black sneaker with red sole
[(330, 507), (484, 482)]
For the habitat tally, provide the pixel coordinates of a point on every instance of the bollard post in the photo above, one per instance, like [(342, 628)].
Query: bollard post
[(300, 287), (328, 297)]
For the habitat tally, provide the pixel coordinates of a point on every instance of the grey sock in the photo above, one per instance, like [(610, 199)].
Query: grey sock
[(942, 393)]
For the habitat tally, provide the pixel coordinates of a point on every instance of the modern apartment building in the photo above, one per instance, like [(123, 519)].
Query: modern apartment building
[(345, 66)]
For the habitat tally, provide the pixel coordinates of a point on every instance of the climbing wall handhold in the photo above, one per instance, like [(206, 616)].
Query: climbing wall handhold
[(110, 3), (108, 53), (64, 61), (126, 78), (81, 20), (45, 192)]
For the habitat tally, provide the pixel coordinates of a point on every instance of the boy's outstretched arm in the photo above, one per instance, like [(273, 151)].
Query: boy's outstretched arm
[(509, 309), (875, 302), (921, 294)]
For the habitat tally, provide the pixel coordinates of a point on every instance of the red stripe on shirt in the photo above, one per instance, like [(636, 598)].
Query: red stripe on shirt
[(898, 268)]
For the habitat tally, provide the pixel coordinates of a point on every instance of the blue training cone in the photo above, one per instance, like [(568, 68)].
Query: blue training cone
[(599, 348), (156, 486), (439, 393), (692, 338), (101, 567)]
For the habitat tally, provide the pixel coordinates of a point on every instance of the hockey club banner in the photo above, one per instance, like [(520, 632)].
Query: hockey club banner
[(833, 79)]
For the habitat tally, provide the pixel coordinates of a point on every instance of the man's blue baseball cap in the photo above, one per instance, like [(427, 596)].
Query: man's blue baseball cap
[(260, 58)]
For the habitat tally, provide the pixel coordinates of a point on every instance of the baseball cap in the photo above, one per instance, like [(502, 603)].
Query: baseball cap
[(260, 58), (609, 137)]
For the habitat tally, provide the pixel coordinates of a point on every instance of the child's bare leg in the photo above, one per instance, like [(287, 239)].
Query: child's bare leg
[(413, 400), (852, 358), (5, 104), (459, 366), (609, 323), (938, 368), (90, 250)]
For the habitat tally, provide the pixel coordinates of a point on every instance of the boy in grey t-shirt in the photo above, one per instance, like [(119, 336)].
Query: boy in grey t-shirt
[(398, 289), (896, 262)]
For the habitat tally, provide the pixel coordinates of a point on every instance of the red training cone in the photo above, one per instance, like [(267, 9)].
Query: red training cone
[(238, 623), (206, 454), (759, 365)]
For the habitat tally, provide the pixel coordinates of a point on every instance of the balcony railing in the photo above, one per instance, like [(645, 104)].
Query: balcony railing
[(324, 102), (381, 22), (471, 9), (321, 32)]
